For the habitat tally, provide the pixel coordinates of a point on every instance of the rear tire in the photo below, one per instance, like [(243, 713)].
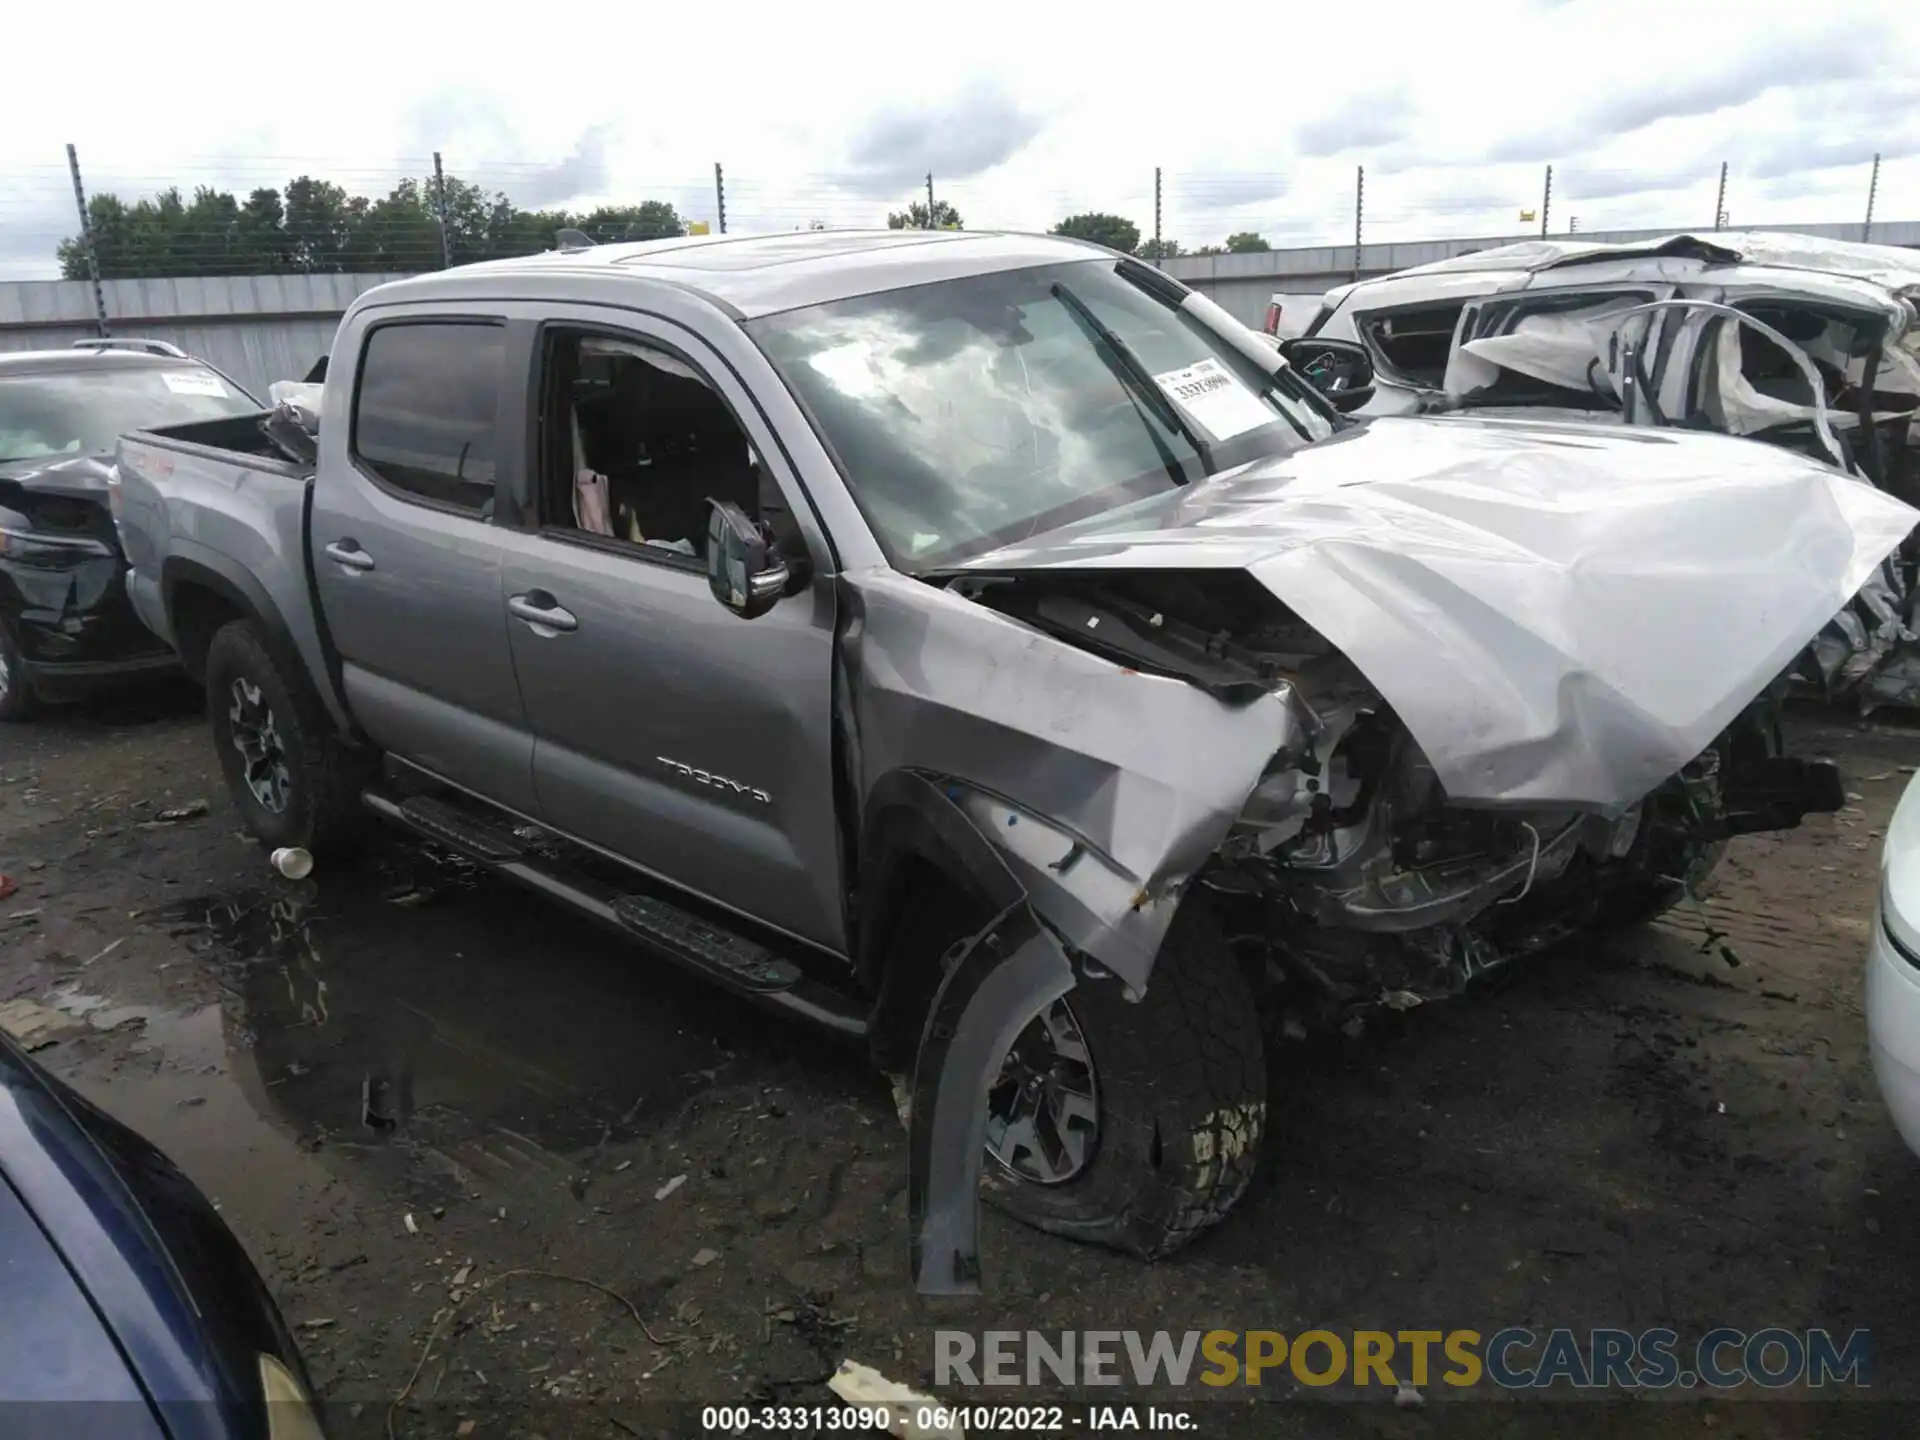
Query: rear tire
[(1179, 1079), (291, 779), (17, 700)]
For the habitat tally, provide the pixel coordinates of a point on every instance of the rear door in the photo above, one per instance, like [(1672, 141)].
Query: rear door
[(1549, 344), (407, 557)]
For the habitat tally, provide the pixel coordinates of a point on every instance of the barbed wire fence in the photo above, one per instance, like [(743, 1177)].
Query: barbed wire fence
[(288, 214)]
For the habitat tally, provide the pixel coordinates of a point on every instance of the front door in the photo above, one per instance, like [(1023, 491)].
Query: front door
[(667, 730), (407, 557)]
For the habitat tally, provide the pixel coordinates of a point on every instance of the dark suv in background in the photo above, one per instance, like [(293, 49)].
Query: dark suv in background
[(65, 625)]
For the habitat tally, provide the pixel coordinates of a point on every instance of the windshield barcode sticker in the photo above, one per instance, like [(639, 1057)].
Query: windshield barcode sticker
[(1213, 396), (193, 382)]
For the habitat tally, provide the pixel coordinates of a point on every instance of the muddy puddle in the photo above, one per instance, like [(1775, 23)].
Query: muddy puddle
[(407, 1002)]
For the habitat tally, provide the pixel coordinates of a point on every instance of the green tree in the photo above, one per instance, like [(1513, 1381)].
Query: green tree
[(649, 220), (1245, 242), (1159, 249), (914, 217), (1113, 231), (315, 225)]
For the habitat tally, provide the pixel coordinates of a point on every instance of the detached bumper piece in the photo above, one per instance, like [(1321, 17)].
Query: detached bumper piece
[(1005, 976), (1776, 793)]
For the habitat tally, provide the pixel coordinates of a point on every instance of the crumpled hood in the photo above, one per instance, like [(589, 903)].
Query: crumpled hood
[(1558, 613), (73, 475)]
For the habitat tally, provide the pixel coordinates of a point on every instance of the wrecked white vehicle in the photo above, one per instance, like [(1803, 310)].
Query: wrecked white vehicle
[(1807, 344), (986, 648)]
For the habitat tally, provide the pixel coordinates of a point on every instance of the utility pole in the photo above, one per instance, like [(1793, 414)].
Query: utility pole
[(1159, 250), (1546, 203), (86, 243), (440, 210), (1873, 189), (1359, 212), (720, 195), (930, 224), (1720, 205)]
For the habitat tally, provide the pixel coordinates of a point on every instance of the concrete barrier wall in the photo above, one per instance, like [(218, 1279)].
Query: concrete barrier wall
[(256, 328), (262, 328)]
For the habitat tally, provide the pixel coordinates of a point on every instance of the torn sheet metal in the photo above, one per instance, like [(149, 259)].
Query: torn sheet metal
[(1566, 348), (1058, 749), (1559, 614), (1891, 266)]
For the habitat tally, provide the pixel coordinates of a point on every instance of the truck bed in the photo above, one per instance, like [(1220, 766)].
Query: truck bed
[(214, 504), (234, 438)]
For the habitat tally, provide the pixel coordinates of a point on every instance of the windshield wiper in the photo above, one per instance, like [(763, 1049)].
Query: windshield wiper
[(1135, 376)]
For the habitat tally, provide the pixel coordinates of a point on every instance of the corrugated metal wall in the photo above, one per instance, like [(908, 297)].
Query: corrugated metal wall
[(257, 328)]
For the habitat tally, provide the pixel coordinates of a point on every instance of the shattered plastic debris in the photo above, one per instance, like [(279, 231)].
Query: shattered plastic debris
[(412, 1228), (34, 1025), (704, 1258), (192, 810), (859, 1384), (672, 1185)]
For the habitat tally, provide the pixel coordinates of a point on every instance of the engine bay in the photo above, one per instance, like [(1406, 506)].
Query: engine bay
[(1351, 880)]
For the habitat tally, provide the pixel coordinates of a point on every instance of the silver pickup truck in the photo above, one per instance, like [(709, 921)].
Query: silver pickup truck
[(984, 647)]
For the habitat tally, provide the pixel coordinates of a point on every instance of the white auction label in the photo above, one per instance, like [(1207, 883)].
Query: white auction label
[(193, 382), (1214, 396)]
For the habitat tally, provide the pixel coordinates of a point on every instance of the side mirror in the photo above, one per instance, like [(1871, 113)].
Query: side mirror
[(1341, 370), (744, 570)]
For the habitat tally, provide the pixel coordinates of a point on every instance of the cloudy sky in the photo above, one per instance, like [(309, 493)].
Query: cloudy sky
[(1257, 115)]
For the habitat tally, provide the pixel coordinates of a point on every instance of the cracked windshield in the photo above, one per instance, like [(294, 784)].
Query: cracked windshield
[(975, 413)]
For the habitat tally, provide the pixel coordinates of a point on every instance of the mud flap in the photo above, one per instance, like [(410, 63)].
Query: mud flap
[(1004, 977)]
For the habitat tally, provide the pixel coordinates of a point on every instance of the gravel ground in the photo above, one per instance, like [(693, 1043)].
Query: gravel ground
[(434, 1107)]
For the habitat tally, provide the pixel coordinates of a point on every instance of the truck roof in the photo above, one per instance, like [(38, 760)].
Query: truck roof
[(761, 274)]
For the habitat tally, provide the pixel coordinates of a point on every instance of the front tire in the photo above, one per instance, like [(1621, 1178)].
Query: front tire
[(1153, 1126), (293, 782), (17, 700)]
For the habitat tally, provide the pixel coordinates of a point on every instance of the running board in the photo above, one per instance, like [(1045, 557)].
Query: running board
[(731, 960)]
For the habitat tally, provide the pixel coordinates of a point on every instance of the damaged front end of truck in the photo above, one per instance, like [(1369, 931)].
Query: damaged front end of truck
[(1394, 735)]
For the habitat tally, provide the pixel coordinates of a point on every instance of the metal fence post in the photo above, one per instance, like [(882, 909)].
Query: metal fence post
[(1159, 246), (1546, 203), (1359, 212), (930, 224), (1873, 189), (440, 212), (86, 243), (1720, 204), (720, 195)]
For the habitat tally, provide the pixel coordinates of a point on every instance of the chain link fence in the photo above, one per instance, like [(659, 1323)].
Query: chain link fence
[(292, 214)]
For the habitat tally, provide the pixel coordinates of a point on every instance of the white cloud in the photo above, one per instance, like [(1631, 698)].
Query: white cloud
[(1256, 114)]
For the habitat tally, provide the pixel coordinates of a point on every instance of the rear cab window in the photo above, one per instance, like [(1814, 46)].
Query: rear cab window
[(426, 411)]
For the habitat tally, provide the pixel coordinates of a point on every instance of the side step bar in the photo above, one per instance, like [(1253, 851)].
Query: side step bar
[(739, 964)]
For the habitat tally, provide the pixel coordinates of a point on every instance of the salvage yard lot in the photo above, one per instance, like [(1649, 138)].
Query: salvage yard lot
[(401, 1082)]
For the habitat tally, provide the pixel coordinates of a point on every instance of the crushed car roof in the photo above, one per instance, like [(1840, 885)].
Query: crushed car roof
[(1893, 266), (762, 274)]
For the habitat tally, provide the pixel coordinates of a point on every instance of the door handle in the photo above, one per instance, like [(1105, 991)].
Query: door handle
[(349, 554), (541, 611)]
